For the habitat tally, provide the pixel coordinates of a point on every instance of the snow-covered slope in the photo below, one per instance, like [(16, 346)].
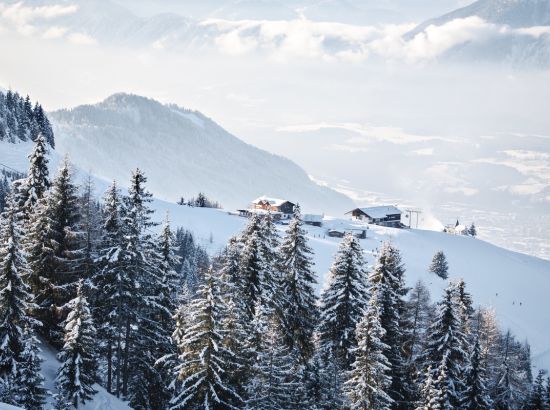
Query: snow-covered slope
[(515, 285), (182, 152)]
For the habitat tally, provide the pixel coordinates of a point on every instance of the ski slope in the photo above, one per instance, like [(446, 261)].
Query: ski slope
[(517, 286)]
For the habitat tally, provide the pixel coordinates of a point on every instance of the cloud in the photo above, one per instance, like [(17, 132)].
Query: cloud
[(245, 100), (81, 38), (20, 14), (365, 134), (302, 38), (54, 32)]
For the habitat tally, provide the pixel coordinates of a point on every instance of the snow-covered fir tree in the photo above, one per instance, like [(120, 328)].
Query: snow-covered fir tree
[(273, 383), (343, 304), (90, 225), (368, 380), (476, 394), (31, 392), (444, 351), (298, 301), (55, 251), (18, 347), (77, 373), (28, 191), (439, 265), (472, 231), (536, 399), (202, 381), (112, 284), (429, 396), (386, 280), (258, 264), (418, 314)]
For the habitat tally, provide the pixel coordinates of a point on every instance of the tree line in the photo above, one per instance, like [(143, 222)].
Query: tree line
[(21, 120), (143, 311)]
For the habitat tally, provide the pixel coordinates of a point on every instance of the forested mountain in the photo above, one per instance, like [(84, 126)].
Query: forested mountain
[(183, 152), (20, 120)]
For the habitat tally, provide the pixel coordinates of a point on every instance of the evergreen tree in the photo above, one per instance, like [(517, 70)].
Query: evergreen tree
[(18, 359), (368, 380), (55, 251), (90, 225), (429, 396), (439, 265), (77, 373), (37, 181), (203, 360), (536, 400), (112, 284), (298, 301), (387, 281), (476, 395), (259, 264), (274, 383), (343, 304), (445, 352), (472, 231), (31, 392), (418, 314)]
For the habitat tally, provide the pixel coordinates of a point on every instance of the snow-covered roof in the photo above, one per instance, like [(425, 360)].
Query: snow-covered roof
[(271, 201), (377, 212), (312, 218)]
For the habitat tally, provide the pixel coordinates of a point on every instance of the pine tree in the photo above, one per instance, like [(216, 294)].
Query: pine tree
[(90, 224), (476, 395), (386, 280), (112, 284), (18, 347), (444, 350), (439, 265), (31, 392), (368, 380), (298, 301), (274, 383), (203, 360), (429, 396), (536, 400), (37, 181), (15, 295), (418, 314), (77, 373), (472, 231), (258, 261), (55, 251), (343, 304)]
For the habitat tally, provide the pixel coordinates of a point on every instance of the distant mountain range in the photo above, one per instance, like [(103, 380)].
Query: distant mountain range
[(520, 35), (182, 152)]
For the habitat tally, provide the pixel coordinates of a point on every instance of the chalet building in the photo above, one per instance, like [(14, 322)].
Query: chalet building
[(277, 208), (378, 215), (274, 205)]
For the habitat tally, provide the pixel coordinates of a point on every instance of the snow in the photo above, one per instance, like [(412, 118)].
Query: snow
[(514, 284), (4, 406), (101, 401)]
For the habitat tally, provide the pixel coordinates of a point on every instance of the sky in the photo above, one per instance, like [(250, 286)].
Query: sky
[(335, 86)]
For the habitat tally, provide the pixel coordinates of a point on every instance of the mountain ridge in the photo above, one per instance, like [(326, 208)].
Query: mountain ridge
[(194, 150)]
